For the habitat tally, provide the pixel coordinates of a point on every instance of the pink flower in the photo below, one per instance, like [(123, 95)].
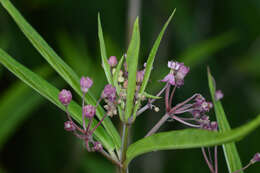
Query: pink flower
[(169, 79)]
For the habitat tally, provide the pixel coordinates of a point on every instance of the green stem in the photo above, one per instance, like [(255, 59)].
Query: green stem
[(126, 128)]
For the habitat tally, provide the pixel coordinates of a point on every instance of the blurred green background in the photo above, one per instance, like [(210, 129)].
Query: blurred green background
[(224, 35)]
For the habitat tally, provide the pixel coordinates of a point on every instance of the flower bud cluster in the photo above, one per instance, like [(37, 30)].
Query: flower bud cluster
[(88, 111)]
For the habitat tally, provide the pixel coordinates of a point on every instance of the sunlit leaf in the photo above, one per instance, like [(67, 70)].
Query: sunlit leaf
[(188, 138), (105, 64), (132, 61)]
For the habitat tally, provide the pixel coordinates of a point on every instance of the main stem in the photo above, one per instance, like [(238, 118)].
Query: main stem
[(126, 128)]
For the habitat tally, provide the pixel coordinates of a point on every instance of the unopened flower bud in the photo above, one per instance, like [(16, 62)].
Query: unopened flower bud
[(109, 93), (256, 158), (69, 126), (206, 106), (65, 97), (98, 146), (196, 113), (214, 125), (219, 95), (139, 76), (112, 61), (89, 111), (85, 84)]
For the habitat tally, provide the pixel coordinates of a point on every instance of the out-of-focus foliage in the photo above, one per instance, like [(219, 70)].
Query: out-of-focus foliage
[(15, 105), (71, 29)]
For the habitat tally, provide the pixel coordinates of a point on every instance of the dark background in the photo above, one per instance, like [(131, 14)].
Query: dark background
[(224, 35)]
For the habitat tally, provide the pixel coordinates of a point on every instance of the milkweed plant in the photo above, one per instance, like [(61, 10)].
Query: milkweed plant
[(125, 96)]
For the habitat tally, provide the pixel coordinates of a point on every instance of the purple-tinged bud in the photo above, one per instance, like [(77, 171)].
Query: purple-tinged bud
[(206, 106), (112, 61), (89, 111), (109, 93), (196, 113), (205, 118), (256, 158), (219, 95), (140, 76), (214, 125), (85, 84), (69, 126), (65, 97), (174, 65), (98, 146), (169, 79), (199, 99)]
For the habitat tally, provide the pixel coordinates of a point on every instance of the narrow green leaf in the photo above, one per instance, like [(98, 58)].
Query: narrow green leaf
[(230, 150), (151, 96), (188, 138), (132, 61), (150, 60), (51, 93), (105, 64), (15, 95), (59, 65)]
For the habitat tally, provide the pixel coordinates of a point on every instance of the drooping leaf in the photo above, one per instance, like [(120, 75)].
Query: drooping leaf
[(51, 93), (59, 65), (231, 154), (150, 60), (105, 64), (188, 138), (132, 61), (15, 108)]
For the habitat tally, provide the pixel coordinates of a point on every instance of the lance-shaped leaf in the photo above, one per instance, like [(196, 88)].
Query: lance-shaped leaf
[(59, 65), (132, 61), (51, 93), (230, 150), (105, 64), (150, 60), (188, 138)]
